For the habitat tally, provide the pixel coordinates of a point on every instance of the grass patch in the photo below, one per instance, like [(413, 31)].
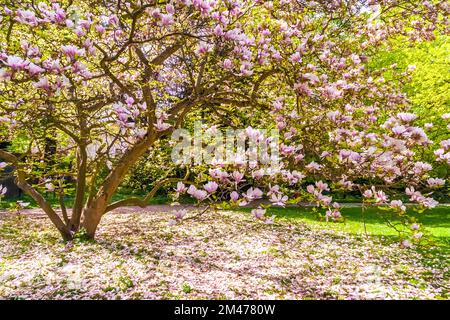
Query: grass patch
[(435, 221)]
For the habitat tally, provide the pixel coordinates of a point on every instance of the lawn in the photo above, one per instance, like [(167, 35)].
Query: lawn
[(224, 254), (436, 221)]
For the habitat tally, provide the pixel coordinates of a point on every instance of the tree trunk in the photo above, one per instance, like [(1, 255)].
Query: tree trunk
[(97, 207), (80, 189), (91, 219), (59, 224)]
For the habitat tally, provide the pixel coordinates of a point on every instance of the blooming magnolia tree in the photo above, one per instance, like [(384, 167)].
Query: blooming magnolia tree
[(108, 80)]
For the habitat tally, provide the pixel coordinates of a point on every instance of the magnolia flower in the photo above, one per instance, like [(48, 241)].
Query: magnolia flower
[(253, 193), (428, 202), (273, 190), (100, 29), (278, 200), (197, 193), (380, 196), (3, 165), (409, 191), (16, 63), (50, 187), (211, 186), (203, 48), (296, 57), (234, 196), (170, 9), (3, 190), (258, 174), (34, 69), (421, 167), (270, 220), (398, 130), (331, 92), (227, 64), (166, 19), (415, 226), (161, 126), (43, 84), (333, 214), (322, 186), (406, 244), (355, 58), (406, 117), (417, 235), (26, 17), (398, 204), (218, 31), (445, 144), (324, 200), (313, 166), (237, 176), (258, 213), (218, 174), (311, 77), (179, 214), (436, 182), (72, 51), (310, 188), (181, 188)]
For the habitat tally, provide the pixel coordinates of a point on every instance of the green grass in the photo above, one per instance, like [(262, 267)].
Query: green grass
[(435, 222)]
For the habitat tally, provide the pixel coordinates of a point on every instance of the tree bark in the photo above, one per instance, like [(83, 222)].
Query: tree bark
[(59, 224), (80, 189), (92, 216), (97, 206), (28, 189)]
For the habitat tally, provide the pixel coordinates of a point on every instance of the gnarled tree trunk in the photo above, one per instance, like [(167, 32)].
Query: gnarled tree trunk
[(96, 208)]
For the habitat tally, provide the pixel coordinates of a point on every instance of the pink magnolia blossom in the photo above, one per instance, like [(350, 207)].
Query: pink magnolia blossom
[(406, 117), (197, 193), (380, 196), (253, 194), (211, 186), (43, 84), (34, 69), (234, 196), (26, 17), (313, 166), (181, 188), (161, 126), (278, 200), (16, 63), (406, 244), (50, 187), (258, 213), (227, 64), (398, 204), (321, 186), (436, 182), (3, 190)]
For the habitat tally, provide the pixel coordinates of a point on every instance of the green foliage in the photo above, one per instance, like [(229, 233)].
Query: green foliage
[(429, 87)]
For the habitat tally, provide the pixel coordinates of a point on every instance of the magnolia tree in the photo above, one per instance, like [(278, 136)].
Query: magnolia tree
[(104, 82)]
